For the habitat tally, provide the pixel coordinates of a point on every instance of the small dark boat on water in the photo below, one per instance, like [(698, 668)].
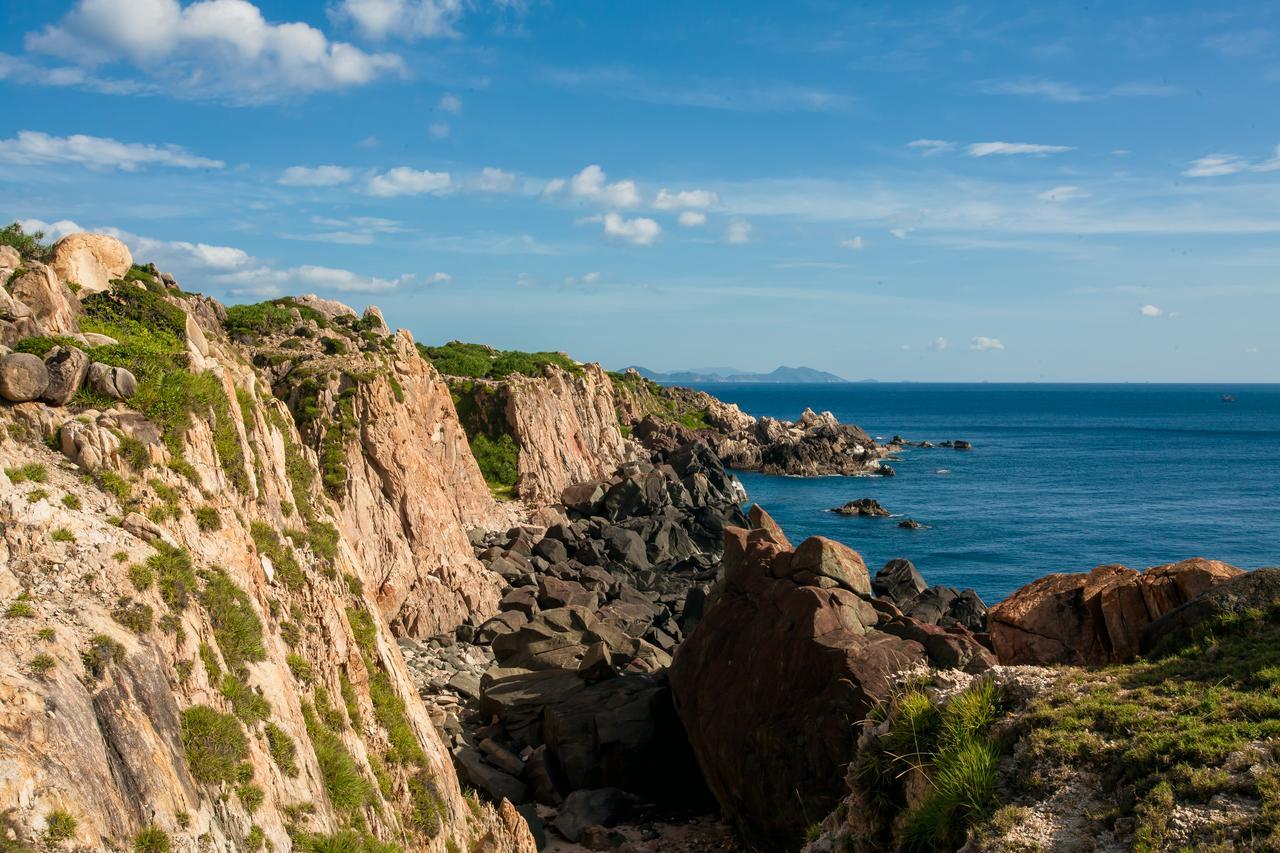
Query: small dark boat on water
[(1228, 398)]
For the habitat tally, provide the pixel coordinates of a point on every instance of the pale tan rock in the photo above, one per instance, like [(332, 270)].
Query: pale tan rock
[(567, 428), (90, 260), (51, 303), (9, 258)]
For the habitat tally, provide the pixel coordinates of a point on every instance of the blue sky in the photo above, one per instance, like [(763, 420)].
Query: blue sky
[(899, 191)]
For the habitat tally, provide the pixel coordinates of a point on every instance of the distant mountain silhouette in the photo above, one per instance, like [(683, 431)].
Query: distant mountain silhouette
[(729, 374)]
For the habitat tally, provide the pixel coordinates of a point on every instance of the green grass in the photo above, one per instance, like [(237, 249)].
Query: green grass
[(479, 361), (1161, 731), (246, 703), (953, 747), (364, 631), (153, 839), (134, 615), (347, 787), (39, 345), (41, 664), (101, 653), (236, 626), (141, 576), (210, 660), (208, 519), (286, 565), (282, 748), (61, 826), (62, 534), (214, 744), (45, 634), (71, 501), (344, 841), (34, 472), (175, 575), (20, 608), (300, 668), (251, 797)]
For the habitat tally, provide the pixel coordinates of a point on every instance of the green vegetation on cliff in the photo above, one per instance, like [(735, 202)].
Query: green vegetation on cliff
[(482, 411), (28, 245), (477, 361)]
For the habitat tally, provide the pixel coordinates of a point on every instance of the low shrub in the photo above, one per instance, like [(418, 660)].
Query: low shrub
[(236, 626), (282, 748), (214, 744), (61, 826)]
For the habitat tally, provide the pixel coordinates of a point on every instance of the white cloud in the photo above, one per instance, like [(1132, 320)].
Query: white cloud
[(697, 199), (1215, 165), (438, 130), (900, 233), (52, 230), (403, 180), (315, 176), (450, 104), (494, 180), (1151, 311), (692, 219), (590, 185), (1053, 90), (738, 233), (854, 244), (984, 344), (554, 186), (1066, 193), (640, 231), (214, 48), (591, 278), (930, 147), (439, 278), (267, 281), (407, 19), (33, 148), (370, 141), (182, 256), (986, 149), (938, 344)]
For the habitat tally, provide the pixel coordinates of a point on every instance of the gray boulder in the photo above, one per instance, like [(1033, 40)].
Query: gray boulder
[(114, 382), (599, 807), (67, 367), (23, 377), (899, 581)]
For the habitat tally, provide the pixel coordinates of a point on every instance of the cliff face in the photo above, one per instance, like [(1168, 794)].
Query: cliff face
[(567, 428), (197, 603)]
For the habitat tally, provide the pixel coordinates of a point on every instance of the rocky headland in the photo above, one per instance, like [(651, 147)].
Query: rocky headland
[(276, 576)]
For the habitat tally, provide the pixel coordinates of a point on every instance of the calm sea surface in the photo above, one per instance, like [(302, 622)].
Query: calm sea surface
[(1061, 477)]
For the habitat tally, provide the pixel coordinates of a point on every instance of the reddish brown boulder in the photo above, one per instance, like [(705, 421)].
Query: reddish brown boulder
[(761, 520), (775, 680), (1096, 617)]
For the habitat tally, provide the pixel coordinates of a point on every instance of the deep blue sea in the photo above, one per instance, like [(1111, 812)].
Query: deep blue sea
[(1061, 477)]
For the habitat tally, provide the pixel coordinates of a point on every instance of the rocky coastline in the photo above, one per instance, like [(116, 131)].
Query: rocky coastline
[(271, 579)]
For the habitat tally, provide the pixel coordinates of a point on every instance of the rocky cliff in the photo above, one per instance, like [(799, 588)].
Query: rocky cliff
[(204, 552)]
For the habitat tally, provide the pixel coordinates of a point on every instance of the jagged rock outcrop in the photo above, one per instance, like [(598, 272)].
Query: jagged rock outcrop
[(1239, 596), (1096, 617), (567, 427), (771, 683), (664, 419), (183, 584), (90, 260)]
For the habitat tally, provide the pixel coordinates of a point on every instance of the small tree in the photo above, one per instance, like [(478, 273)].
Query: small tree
[(28, 245)]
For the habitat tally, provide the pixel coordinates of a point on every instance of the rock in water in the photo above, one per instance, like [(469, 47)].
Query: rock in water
[(863, 506), (23, 377)]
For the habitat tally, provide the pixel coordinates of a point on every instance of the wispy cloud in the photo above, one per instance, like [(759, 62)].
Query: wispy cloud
[(1215, 165), (709, 93), (986, 149), (738, 233), (1067, 93), (1063, 193), (33, 148), (930, 147), (985, 344), (405, 19), (403, 180), (315, 176)]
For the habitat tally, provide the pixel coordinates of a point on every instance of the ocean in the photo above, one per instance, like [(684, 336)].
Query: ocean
[(1061, 478)]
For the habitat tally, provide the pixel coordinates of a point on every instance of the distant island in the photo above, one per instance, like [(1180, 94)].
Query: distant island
[(729, 374)]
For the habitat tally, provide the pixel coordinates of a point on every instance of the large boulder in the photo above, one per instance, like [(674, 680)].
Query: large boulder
[(899, 581), (1255, 591), (23, 377), (90, 260), (67, 367), (52, 305), (830, 559), (9, 258), (114, 382), (1097, 617), (773, 682)]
